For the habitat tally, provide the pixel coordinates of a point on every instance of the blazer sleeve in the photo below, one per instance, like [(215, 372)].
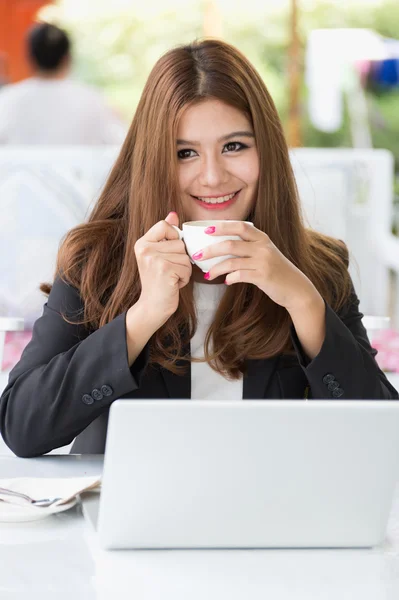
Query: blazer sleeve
[(345, 367), (66, 377)]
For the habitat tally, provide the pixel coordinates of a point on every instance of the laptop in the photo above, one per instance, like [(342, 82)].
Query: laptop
[(251, 474)]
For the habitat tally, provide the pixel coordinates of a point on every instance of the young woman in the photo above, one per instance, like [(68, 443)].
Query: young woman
[(128, 316)]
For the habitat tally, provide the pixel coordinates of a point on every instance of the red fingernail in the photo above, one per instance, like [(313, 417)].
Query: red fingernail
[(173, 212), (210, 229), (206, 276), (197, 255)]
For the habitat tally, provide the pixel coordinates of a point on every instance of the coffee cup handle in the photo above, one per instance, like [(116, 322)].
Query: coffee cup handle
[(179, 231), (181, 237)]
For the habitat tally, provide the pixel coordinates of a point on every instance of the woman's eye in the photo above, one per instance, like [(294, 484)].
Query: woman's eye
[(185, 154), (234, 146), (229, 147)]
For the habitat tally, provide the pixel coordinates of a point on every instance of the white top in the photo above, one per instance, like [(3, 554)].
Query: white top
[(206, 384), (57, 111)]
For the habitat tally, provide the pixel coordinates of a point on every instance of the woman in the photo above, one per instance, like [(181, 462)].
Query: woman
[(129, 316)]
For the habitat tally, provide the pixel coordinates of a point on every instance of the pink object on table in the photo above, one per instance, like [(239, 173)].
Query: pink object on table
[(15, 343), (386, 342)]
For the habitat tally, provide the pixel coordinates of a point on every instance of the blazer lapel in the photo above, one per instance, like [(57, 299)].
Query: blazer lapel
[(178, 386), (256, 380)]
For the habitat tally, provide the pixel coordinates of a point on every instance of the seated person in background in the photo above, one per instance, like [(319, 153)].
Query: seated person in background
[(129, 316), (51, 108)]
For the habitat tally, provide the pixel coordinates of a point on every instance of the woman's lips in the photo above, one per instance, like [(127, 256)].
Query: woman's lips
[(220, 206)]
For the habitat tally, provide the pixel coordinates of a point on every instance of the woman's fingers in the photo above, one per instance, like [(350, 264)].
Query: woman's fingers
[(172, 247), (176, 259), (161, 231), (173, 218), (230, 265), (246, 231), (234, 247), (184, 274), (149, 257)]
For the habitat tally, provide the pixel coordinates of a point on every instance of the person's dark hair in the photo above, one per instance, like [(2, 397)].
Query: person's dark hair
[(47, 46), (98, 257)]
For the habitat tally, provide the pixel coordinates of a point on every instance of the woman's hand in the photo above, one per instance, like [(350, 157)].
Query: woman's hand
[(164, 269), (258, 261)]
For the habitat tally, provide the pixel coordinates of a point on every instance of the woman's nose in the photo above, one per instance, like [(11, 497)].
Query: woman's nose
[(212, 173)]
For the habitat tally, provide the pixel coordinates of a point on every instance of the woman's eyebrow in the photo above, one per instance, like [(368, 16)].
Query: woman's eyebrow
[(181, 142)]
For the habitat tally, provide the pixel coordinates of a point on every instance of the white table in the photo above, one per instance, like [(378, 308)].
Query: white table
[(59, 558)]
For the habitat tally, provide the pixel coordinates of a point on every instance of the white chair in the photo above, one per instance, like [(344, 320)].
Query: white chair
[(44, 192), (349, 194)]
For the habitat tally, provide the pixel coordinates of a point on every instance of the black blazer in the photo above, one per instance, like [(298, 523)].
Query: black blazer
[(68, 376)]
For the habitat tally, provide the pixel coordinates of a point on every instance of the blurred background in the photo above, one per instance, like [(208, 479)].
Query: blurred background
[(117, 43), (332, 68)]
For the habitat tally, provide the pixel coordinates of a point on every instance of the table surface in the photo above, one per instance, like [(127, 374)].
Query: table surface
[(59, 557)]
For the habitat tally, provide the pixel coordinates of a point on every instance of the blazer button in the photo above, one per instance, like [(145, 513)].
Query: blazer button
[(97, 395), (328, 378), (333, 385), (107, 390), (337, 393), (87, 399)]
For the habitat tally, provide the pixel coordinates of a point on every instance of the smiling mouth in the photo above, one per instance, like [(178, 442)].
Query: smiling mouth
[(217, 200)]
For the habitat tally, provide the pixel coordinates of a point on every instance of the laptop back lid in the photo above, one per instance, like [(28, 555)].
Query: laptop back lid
[(185, 474)]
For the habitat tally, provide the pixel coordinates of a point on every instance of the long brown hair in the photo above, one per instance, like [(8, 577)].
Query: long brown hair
[(98, 257)]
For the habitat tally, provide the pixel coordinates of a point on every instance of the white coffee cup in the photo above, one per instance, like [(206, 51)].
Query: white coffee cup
[(196, 239)]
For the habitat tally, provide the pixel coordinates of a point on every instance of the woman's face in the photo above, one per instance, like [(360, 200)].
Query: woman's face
[(218, 162)]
